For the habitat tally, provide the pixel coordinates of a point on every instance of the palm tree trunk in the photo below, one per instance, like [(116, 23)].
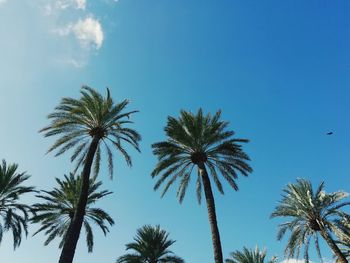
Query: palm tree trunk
[(211, 214), (73, 232), (337, 252)]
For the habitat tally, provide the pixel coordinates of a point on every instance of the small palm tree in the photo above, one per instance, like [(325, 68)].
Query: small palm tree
[(13, 214), (88, 124), (151, 245), (310, 213), (56, 214), (202, 142), (249, 256)]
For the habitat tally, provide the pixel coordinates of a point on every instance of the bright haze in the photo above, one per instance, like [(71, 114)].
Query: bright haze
[(278, 70)]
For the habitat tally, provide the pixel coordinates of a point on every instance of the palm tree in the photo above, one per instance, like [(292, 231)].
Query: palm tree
[(56, 214), (249, 256), (88, 124), (151, 245), (13, 214), (201, 141), (310, 214)]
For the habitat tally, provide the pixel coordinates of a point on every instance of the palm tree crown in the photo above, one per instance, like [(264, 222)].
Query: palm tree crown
[(249, 256), (60, 204), (194, 140), (86, 125), (151, 245), (78, 121), (13, 214), (201, 141), (311, 213)]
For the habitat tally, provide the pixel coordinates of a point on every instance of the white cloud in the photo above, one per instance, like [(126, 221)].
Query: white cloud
[(55, 6), (78, 32), (64, 4), (63, 31), (81, 4), (74, 62), (87, 31)]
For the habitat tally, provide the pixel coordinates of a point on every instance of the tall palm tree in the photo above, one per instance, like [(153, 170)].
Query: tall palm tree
[(57, 211), (88, 124), (249, 256), (13, 213), (310, 214), (151, 245), (202, 142)]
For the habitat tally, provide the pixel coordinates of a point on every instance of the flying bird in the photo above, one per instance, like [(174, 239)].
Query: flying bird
[(329, 133)]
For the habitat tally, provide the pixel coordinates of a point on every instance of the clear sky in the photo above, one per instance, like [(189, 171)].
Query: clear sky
[(278, 70)]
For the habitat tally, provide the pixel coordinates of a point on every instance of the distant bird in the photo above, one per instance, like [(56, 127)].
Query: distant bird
[(329, 133)]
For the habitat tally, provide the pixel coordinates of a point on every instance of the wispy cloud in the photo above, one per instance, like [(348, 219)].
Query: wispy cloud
[(70, 61), (78, 31), (81, 4), (54, 6)]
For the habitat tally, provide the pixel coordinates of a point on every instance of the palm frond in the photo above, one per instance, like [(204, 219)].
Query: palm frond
[(151, 244), (57, 210), (13, 213), (77, 121), (203, 136), (309, 213)]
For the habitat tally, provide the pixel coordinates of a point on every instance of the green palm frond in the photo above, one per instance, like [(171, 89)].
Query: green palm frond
[(310, 214), (77, 121), (57, 210), (151, 245), (249, 256), (197, 138), (342, 231), (13, 214)]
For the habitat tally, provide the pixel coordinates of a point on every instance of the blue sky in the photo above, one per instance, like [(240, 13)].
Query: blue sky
[(278, 70)]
